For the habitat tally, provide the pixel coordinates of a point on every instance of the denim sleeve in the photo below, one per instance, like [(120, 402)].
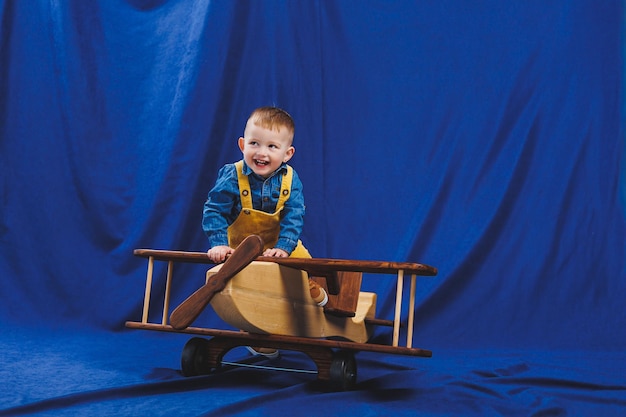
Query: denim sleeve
[(221, 207), (292, 217)]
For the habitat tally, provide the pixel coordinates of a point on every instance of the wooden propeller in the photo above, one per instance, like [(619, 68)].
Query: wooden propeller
[(190, 309)]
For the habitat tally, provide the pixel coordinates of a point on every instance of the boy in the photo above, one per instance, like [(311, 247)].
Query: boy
[(260, 195)]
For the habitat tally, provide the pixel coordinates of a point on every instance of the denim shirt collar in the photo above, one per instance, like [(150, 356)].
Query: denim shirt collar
[(248, 171)]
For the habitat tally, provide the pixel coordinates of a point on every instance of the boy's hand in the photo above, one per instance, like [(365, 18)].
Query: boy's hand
[(275, 252), (219, 253)]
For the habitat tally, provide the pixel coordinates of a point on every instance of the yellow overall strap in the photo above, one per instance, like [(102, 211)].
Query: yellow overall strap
[(285, 188), (244, 186)]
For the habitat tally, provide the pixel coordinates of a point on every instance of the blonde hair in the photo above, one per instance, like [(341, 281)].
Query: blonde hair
[(272, 118)]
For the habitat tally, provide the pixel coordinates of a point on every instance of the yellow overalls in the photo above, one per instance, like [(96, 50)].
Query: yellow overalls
[(266, 225)]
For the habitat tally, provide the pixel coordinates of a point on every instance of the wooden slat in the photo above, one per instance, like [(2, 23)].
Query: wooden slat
[(409, 334), (379, 322), (398, 310), (286, 342), (148, 289), (314, 266), (166, 296)]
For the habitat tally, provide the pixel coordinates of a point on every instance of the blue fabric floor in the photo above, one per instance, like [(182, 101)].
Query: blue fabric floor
[(130, 373)]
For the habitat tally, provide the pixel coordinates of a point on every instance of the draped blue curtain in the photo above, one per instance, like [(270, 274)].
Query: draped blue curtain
[(484, 138)]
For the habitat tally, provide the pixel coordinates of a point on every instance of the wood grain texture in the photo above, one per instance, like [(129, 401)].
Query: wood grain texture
[(191, 308), (314, 266), (285, 342), (268, 298)]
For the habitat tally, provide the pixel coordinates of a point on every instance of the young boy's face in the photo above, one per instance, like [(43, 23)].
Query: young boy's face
[(265, 150)]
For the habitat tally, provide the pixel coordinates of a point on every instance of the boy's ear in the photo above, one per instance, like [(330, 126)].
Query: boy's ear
[(241, 142), (289, 153)]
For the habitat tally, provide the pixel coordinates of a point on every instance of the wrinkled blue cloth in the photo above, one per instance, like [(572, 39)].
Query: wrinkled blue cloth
[(483, 138)]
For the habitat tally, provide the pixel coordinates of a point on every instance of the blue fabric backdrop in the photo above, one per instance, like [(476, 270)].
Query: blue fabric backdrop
[(484, 138)]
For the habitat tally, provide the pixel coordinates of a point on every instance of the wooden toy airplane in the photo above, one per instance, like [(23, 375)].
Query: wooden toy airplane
[(268, 299)]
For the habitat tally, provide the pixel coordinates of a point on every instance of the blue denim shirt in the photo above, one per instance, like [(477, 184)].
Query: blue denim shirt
[(223, 205)]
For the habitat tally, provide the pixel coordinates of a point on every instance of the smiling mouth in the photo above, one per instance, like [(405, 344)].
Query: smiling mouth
[(262, 163)]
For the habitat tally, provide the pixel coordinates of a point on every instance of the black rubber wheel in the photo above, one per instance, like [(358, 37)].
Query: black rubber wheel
[(194, 359), (342, 371)]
